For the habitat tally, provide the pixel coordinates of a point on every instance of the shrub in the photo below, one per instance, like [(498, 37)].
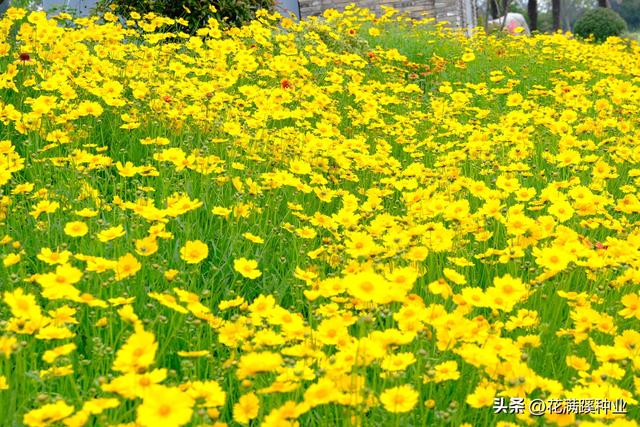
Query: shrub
[(196, 12), (601, 23)]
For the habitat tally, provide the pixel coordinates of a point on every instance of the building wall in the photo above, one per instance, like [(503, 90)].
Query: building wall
[(442, 10)]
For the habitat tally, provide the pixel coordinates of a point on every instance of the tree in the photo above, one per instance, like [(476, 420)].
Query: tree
[(532, 11), (629, 10), (555, 12), (493, 4), (602, 3)]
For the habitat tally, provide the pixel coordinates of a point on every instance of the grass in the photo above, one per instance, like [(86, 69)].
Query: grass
[(633, 35), (441, 221)]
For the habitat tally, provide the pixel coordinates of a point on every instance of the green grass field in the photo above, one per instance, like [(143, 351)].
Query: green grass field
[(347, 221)]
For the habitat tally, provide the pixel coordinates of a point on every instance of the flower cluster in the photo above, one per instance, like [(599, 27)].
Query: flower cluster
[(353, 220)]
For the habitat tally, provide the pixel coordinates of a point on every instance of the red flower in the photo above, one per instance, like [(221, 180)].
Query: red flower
[(286, 84)]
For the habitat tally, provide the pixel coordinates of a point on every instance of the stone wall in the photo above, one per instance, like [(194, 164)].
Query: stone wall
[(442, 10)]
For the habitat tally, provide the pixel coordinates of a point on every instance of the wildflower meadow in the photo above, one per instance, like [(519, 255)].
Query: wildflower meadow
[(352, 220)]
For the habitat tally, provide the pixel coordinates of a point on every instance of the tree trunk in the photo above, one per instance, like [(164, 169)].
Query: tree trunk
[(532, 11), (555, 11), (602, 3), (494, 8)]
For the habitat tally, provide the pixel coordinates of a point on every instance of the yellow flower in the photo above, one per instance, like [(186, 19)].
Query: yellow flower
[(86, 213), (482, 396), (246, 409), (398, 362), (253, 238), (127, 266), (166, 407), (111, 233), (7, 346), (76, 229), (446, 371), (454, 276), (368, 286), (53, 257), (221, 211), (562, 210), (247, 268), (3, 383), (11, 259), (50, 356), (468, 56), (631, 303), (47, 414), (132, 385), (170, 274), (399, 399), (553, 259), (253, 363), (64, 274), (194, 353), (321, 393), (194, 251), (210, 391), (137, 353), (147, 246)]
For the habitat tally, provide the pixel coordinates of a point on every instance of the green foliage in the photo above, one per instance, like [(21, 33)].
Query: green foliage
[(196, 12), (630, 12), (601, 23)]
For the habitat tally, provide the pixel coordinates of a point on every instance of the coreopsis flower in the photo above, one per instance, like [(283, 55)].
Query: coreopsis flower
[(321, 393), (133, 385), (210, 392), (137, 354), (194, 251), (76, 229), (468, 56), (398, 362), (552, 258), (53, 257), (368, 286), (446, 371), (147, 246), (127, 266), (50, 356), (631, 303), (221, 211), (247, 268), (256, 362), (7, 345), (11, 259), (22, 305), (399, 399), (171, 274), (246, 409), (64, 275), (47, 414), (482, 396), (165, 406), (111, 233), (253, 238)]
